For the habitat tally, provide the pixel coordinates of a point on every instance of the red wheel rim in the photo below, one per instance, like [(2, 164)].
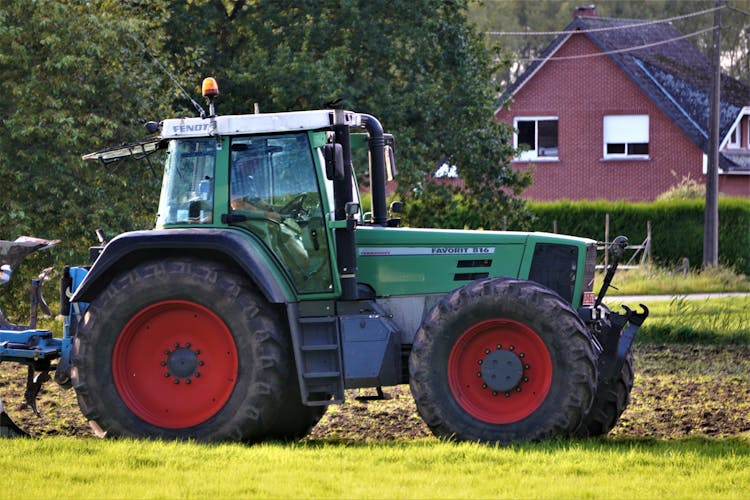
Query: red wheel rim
[(510, 341), (175, 364)]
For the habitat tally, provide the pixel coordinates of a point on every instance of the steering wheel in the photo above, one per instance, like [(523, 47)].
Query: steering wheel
[(294, 207)]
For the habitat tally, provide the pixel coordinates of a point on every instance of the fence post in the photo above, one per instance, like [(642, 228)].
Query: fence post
[(647, 250)]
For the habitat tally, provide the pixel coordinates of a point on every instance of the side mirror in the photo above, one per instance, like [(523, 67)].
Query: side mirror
[(390, 164), (334, 156), (390, 157)]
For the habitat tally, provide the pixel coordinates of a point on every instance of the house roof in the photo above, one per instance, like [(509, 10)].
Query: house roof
[(674, 75)]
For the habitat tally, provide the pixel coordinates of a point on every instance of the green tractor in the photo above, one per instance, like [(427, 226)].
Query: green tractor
[(264, 293)]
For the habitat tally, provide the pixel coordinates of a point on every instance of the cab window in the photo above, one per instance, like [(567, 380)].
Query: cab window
[(274, 194)]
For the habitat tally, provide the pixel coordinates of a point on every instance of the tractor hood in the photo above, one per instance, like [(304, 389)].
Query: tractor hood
[(404, 261)]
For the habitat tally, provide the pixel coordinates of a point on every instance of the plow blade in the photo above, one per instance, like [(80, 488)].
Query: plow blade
[(8, 427)]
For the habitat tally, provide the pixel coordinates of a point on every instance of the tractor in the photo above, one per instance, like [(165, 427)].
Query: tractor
[(265, 292)]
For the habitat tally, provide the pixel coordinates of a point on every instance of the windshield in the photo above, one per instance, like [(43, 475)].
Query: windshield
[(186, 196)]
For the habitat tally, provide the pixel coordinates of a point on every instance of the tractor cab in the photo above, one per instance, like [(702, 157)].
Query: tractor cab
[(270, 185)]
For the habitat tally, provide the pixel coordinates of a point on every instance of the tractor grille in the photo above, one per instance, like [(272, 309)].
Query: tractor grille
[(554, 266)]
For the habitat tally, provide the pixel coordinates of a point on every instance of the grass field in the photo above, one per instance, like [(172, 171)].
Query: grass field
[(707, 321), (86, 468), (651, 280), (685, 434)]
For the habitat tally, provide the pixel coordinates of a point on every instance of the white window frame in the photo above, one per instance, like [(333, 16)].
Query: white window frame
[(629, 130), (735, 136), (533, 154)]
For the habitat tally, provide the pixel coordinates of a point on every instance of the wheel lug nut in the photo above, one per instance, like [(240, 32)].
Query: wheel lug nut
[(521, 355), (167, 375), (176, 345), (518, 389), (201, 363), (499, 346), (480, 361), (187, 381), (176, 381), (494, 393), (163, 363), (197, 374), (484, 386), (197, 351), (187, 344), (167, 352), (507, 394), (526, 367), (512, 348), (526, 379), (479, 374), (486, 351)]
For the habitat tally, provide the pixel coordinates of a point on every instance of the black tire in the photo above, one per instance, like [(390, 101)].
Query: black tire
[(180, 348), (295, 420), (610, 401), (502, 361)]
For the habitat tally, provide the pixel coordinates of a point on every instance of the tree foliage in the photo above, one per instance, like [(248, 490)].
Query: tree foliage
[(418, 66), (72, 66), (82, 75), (68, 70)]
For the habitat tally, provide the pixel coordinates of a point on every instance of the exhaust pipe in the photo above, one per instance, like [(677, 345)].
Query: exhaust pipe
[(377, 169), (8, 427)]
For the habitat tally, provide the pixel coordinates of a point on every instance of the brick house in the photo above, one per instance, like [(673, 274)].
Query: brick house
[(599, 122)]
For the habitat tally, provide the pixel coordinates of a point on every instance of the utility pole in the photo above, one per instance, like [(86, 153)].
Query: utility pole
[(711, 226)]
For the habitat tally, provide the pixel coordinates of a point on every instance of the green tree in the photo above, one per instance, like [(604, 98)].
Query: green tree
[(76, 79), (416, 65)]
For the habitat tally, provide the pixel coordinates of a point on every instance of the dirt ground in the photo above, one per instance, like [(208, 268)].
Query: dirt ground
[(679, 391)]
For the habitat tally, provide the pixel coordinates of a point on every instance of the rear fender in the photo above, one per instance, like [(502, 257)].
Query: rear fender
[(128, 249)]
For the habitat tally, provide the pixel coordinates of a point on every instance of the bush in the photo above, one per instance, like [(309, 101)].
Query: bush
[(677, 226), (686, 189)]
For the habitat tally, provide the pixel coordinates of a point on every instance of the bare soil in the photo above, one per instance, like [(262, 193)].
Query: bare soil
[(680, 391)]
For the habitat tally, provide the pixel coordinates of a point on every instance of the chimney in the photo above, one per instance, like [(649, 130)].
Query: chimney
[(585, 11)]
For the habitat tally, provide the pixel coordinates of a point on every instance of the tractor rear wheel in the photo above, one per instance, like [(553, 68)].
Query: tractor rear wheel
[(180, 348), (610, 401), (294, 420), (502, 361)]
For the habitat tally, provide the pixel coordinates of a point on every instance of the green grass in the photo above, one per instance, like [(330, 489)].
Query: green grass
[(709, 321), (657, 281), (84, 468)]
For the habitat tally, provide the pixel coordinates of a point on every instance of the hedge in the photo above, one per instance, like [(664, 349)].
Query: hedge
[(676, 226)]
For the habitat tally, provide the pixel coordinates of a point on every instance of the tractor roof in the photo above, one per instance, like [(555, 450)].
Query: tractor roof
[(260, 123), (254, 124)]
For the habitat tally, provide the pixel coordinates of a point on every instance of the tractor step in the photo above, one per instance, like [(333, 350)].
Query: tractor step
[(317, 350)]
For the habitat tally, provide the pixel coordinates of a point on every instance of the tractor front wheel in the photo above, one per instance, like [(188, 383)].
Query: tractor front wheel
[(502, 361), (180, 348), (612, 398)]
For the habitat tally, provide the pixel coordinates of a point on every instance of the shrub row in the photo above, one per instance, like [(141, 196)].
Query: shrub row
[(676, 226)]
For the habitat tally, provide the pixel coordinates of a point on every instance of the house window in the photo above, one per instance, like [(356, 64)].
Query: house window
[(537, 137), (626, 136)]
